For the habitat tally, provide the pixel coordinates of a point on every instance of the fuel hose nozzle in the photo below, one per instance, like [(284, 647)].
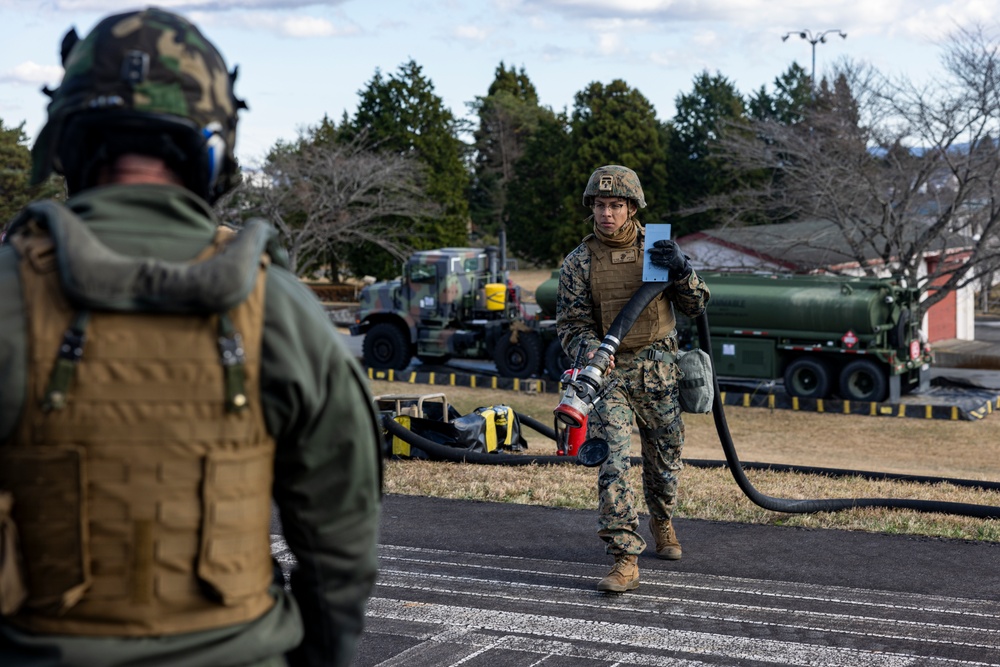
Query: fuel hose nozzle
[(581, 394), (584, 390)]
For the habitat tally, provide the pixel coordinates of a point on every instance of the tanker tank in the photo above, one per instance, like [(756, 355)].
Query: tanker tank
[(812, 307)]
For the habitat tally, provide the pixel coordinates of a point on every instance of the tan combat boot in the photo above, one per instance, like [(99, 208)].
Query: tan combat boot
[(667, 546), (624, 575)]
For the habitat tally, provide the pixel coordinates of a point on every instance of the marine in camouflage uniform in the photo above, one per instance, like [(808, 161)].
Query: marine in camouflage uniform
[(644, 377), (172, 475)]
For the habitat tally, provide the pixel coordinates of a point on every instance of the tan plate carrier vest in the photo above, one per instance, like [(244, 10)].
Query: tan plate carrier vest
[(143, 504), (615, 274)]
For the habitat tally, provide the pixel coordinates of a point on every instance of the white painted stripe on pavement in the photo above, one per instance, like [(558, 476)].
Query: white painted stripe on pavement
[(739, 649), (465, 640), (771, 617), (718, 644), (730, 585)]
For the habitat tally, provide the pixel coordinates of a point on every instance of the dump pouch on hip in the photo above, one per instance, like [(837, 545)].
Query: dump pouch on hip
[(697, 390), (49, 484), (13, 584), (235, 553)]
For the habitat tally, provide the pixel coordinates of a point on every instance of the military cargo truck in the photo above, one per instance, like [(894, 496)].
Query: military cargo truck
[(452, 303), (856, 338)]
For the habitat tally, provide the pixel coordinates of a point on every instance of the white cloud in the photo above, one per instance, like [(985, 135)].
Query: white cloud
[(109, 6), (939, 21), (537, 23), (707, 38), (291, 26), (32, 73), (308, 26), (915, 18), (471, 33), (609, 43)]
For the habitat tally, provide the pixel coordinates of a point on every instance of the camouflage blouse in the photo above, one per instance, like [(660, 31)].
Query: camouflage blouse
[(575, 320)]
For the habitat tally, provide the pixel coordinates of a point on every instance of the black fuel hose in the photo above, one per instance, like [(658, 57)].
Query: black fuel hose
[(536, 425), (505, 459), (446, 453), (841, 472), (587, 385), (631, 311), (810, 506)]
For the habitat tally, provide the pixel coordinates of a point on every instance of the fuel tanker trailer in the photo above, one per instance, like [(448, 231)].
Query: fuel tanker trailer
[(856, 338)]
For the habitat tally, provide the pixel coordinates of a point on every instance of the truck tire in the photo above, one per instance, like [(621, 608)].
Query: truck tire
[(521, 359), (386, 346), (897, 335), (556, 361), (863, 380), (806, 377)]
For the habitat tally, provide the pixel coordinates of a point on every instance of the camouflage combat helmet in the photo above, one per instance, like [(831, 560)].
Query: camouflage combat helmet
[(142, 82), (613, 180)]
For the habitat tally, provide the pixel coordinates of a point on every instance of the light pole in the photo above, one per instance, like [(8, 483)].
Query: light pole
[(814, 40)]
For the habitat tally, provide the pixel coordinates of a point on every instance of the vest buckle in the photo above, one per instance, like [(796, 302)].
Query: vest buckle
[(660, 355)]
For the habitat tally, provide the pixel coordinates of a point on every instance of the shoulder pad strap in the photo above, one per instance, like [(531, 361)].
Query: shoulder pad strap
[(94, 276), (593, 244)]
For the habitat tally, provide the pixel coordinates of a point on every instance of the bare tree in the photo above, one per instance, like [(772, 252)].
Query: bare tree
[(324, 197), (903, 171)]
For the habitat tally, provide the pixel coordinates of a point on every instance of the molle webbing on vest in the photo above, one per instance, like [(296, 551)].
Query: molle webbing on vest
[(94, 276), (615, 274), (144, 504)]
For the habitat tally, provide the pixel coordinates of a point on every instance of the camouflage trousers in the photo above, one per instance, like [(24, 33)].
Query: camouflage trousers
[(646, 390)]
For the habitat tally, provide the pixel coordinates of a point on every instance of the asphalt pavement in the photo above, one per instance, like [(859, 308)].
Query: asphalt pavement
[(500, 585)]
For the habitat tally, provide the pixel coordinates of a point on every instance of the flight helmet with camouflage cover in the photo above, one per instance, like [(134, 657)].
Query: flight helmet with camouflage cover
[(143, 82), (613, 180)]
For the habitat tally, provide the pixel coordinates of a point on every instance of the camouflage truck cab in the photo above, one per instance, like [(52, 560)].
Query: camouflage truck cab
[(451, 302)]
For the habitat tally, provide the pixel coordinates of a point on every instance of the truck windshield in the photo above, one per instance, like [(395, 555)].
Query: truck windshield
[(423, 273)]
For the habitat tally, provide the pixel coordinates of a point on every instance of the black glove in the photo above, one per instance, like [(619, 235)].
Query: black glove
[(666, 254)]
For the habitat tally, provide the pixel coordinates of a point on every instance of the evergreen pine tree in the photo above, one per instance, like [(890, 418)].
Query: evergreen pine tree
[(509, 115), (15, 174), (613, 124), (402, 114), (695, 173)]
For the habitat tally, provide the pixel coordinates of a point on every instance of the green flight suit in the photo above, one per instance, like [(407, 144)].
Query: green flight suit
[(317, 407)]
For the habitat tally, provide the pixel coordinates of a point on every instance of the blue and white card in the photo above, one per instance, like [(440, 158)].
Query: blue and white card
[(650, 273)]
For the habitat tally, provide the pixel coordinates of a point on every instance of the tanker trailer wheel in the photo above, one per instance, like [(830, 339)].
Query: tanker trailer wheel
[(863, 380), (556, 361), (807, 378), (897, 335), (521, 359), (386, 346)]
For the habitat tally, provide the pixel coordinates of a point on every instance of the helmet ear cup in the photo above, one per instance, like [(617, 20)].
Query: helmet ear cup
[(214, 154)]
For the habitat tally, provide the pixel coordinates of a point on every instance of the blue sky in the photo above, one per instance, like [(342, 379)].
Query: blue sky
[(301, 59)]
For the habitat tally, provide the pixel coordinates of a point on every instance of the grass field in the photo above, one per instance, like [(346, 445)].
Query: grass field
[(939, 448)]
